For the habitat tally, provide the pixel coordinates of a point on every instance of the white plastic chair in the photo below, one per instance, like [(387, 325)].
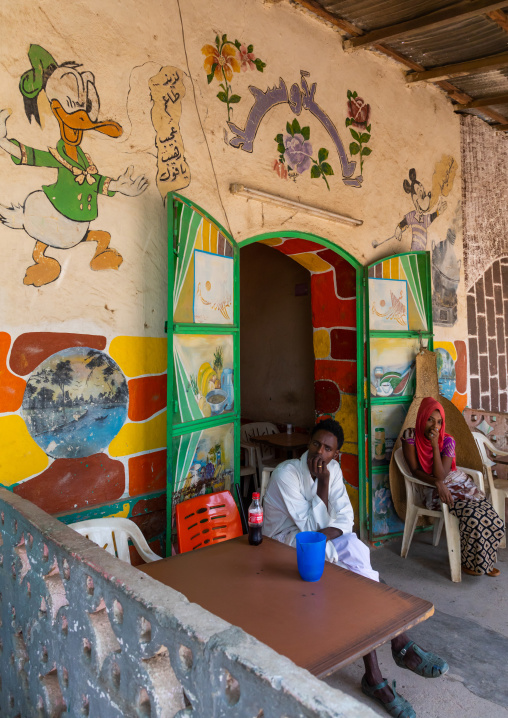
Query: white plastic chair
[(265, 455), (249, 469), (113, 534), (416, 508), (498, 488)]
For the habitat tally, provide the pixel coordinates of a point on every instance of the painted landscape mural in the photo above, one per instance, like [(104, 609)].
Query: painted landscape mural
[(75, 402)]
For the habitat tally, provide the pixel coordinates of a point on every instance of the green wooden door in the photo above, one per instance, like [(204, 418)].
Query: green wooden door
[(398, 319), (203, 357)]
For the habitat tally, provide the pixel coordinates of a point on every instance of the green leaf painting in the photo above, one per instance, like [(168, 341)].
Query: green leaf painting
[(358, 116), (296, 155)]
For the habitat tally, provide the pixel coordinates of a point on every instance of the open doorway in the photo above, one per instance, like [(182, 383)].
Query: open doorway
[(276, 347), (299, 344)]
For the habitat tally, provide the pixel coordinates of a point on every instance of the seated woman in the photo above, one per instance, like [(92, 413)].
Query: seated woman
[(430, 454)]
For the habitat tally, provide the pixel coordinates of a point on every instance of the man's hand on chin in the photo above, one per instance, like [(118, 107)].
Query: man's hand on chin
[(318, 468)]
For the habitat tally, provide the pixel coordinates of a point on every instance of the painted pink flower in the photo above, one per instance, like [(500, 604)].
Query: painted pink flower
[(246, 59), (298, 152), (358, 111)]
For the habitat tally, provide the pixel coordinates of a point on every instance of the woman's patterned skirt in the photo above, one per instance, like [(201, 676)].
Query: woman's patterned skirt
[(481, 530)]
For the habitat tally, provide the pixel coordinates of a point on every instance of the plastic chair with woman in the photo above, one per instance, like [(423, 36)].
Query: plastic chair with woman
[(432, 456)]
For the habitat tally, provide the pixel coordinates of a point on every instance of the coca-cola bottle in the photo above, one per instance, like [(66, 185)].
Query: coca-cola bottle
[(255, 520)]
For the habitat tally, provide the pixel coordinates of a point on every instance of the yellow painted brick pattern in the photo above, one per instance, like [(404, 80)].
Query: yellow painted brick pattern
[(20, 456), (321, 340), (348, 419), (138, 437), (137, 356)]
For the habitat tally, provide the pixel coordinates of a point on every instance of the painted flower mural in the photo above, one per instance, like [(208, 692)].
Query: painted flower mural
[(225, 58), (298, 152), (295, 151), (358, 116)]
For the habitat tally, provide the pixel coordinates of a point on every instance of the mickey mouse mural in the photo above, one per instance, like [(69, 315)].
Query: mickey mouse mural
[(59, 214)]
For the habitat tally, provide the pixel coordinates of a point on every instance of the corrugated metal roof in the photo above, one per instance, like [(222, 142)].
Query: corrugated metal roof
[(460, 40)]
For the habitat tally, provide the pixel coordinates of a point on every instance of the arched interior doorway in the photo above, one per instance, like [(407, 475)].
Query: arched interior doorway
[(336, 333)]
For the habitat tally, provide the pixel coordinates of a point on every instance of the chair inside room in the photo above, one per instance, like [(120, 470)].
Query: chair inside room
[(415, 507), (207, 520), (113, 535), (497, 488), (266, 460), (248, 466)]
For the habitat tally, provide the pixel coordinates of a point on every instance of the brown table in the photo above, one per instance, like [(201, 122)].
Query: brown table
[(320, 626), (291, 442)]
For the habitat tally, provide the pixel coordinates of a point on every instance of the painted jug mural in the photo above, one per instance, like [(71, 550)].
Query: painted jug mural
[(59, 214)]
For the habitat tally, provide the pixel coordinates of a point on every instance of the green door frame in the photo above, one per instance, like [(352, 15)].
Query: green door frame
[(235, 328), (424, 258)]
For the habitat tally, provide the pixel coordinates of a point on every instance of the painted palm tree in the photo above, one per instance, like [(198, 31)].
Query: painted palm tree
[(63, 375)]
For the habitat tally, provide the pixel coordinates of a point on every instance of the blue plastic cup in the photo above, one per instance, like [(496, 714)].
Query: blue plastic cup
[(310, 554)]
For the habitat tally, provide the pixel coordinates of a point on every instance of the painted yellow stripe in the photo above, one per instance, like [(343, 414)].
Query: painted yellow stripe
[(200, 238), (271, 242), (311, 261), (214, 236), (20, 456), (140, 355), (394, 268), (386, 269), (139, 437)]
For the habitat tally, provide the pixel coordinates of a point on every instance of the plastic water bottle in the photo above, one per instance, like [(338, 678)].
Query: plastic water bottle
[(255, 520)]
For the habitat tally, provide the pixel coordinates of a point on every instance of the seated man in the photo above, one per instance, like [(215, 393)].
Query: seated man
[(308, 494)]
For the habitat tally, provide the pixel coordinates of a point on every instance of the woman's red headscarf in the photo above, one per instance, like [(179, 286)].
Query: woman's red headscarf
[(423, 445)]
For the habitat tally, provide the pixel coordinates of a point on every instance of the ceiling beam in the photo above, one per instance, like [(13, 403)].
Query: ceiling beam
[(486, 102), (495, 116), (500, 18), (316, 8), (434, 20), (453, 92), (460, 69)]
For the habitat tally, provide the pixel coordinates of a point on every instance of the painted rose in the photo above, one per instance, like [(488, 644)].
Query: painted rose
[(246, 59), (358, 111), (226, 61), (298, 152)]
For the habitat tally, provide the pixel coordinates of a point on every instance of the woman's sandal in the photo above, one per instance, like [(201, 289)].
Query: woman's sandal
[(431, 666), (492, 573), (398, 708)]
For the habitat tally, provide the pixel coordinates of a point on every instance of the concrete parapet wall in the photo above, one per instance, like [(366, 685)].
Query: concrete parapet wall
[(86, 634)]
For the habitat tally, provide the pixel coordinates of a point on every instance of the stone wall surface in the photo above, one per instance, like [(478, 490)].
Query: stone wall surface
[(86, 634), (485, 198)]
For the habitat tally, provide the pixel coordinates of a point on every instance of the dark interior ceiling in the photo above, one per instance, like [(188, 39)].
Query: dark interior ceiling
[(460, 46)]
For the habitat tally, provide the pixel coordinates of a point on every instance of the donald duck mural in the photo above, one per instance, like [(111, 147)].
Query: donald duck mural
[(59, 214)]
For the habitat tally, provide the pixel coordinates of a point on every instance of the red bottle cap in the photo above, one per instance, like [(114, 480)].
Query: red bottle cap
[(256, 495)]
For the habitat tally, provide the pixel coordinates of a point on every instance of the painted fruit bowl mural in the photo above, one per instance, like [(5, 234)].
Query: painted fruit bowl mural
[(75, 402)]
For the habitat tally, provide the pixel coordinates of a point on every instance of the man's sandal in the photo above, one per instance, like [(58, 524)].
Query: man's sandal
[(398, 708), (431, 666)]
